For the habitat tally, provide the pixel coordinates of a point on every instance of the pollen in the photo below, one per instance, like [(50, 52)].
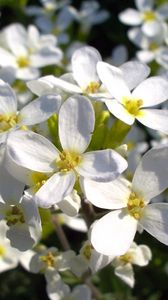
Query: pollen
[(7, 122), (48, 259), (132, 105), (149, 16), (23, 61), (68, 161), (126, 258), (92, 88), (153, 46), (135, 206)]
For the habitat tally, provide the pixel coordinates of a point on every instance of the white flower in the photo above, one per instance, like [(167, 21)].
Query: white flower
[(35, 112), (139, 255), (27, 51), (83, 79), (150, 20), (89, 258), (34, 152), (114, 233), (19, 212), (128, 106)]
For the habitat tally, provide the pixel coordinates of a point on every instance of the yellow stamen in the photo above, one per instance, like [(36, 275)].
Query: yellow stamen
[(14, 216), (2, 251), (126, 258), (7, 122), (92, 88), (149, 16), (135, 206), (38, 179), (23, 61), (87, 251), (132, 105), (68, 161)]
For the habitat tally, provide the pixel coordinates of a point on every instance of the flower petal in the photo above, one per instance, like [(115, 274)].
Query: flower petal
[(8, 101), (32, 151), (143, 5), (134, 72), (114, 233), (76, 123), (150, 177), (56, 188), (113, 79), (84, 61), (154, 118), (40, 109), (155, 221), (126, 274), (130, 16), (109, 195), (102, 165), (119, 111), (152, 91)]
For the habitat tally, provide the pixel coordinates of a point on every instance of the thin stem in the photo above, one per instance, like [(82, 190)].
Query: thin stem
[(60, 233)]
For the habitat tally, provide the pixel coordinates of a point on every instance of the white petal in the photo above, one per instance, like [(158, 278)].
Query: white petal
[(7, 59), (150, 177), (27, 73), (55, 189), (126, 274), (16, 39), (119, 111), (71, 204), (152, 91), (145, 56), (81, 292), (114, 233), (144, 4), (154, 118), (46, 56), (142, 255), (32, 151), (134, 73), (8, 101), (40, 109), (84, 61), (113, 79), (109, 195), (102, 165), (152, 28), (130, 16), (155, 222), (19, 237), (76, 123)]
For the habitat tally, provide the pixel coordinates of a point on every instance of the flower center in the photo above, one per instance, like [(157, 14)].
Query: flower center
[(7, 122), (126, 258), (48, 259), (38, 179), (87, 251), (14, 216), (2, 251), (68, 161), (153, 46), (23, 61), (149, 16), (135, 206), (92, 87), (132, 105)]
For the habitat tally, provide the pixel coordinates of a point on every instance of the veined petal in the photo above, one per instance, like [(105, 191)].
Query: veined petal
[(114, 233), (134, 72), (150, 177), (8, 101), (154, 118), (32, 151), (155, 221), (119, 111), (55, 189), (142, 255), (84, 61), (102, 165), (15, 36), (109, 195), (20, 237), (113, 79), (40, 109), (152, 91), (46, 56), (76, 123), (130, 16), (7, 59)]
